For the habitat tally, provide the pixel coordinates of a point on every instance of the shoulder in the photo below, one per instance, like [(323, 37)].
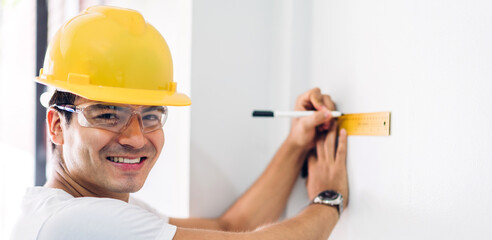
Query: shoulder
[(104, 218), (135, 201)]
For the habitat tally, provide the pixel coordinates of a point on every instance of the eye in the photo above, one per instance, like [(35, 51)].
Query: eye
[(106, 119), (107, 116), (152, 117)]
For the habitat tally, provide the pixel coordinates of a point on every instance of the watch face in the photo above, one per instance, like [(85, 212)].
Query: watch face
[(329, 195)]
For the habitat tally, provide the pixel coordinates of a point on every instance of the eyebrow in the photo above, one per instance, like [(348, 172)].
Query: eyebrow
[(154, 108), (106, 106)]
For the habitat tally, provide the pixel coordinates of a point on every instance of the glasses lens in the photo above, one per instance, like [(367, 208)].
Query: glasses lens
[(106, 116), (153, 117), (115, 118)]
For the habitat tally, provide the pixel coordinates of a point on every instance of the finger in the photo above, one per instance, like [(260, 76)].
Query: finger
[(312, 158), (316, 99), (318, 118), (328, 102), (327, 125), (320, 147), (303, 101), (311, 161), (330, 105), (330, 143), (342, 148), (309, 100)]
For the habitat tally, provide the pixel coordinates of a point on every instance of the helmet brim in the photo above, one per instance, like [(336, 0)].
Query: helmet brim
[(121, 95)]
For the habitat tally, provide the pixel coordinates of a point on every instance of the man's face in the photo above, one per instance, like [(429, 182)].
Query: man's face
[(93, 157)]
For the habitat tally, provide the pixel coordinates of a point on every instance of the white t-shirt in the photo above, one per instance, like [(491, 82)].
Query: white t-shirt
[(50, 214)]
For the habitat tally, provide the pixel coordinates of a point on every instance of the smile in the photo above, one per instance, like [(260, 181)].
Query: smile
[(126, 160)]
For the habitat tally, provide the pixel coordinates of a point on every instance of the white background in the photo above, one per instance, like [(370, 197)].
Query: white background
[(429, 62)]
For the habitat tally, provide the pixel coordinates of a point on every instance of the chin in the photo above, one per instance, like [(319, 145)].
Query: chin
[(130, 187)]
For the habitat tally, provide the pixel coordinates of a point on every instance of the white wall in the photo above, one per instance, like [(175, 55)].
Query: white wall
[(17, 59), (231, 55), (428, 62)]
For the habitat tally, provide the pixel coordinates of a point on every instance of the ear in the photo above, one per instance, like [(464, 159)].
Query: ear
[(53, 120)]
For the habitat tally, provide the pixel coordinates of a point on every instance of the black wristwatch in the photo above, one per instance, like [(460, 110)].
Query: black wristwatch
[(330, 198)]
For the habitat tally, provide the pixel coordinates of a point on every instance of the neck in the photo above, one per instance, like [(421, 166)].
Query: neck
[(61, 179)]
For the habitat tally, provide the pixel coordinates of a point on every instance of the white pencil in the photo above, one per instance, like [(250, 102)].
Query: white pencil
[(295, 114)]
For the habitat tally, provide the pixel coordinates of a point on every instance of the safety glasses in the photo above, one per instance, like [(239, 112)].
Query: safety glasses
[(115, 118)]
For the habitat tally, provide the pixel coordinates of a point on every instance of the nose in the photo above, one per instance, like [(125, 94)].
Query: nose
[(132, 135)]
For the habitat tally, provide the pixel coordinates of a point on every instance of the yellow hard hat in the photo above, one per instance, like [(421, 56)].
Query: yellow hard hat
[(111, 54)]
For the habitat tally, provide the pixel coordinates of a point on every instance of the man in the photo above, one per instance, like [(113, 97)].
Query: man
[(114, 75)]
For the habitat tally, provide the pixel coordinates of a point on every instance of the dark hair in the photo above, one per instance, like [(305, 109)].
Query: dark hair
[(62, 98)]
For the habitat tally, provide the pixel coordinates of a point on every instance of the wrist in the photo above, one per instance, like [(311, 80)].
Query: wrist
[(325, 211), (294, 143), (330, 198), (289, 156), (294, 149)]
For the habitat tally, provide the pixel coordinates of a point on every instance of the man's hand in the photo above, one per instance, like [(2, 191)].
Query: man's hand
[(303, 130), (327, 170)]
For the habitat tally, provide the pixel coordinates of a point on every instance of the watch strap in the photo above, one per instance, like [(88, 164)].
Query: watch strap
[(335, 202)]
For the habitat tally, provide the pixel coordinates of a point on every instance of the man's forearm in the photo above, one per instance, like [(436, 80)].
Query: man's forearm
[(266, 199), (314, 223)]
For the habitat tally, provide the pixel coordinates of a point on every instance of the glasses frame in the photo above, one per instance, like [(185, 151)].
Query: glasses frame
[(81, 107)]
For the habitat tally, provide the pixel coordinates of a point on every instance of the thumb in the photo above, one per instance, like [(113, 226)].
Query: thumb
[(318, 118)]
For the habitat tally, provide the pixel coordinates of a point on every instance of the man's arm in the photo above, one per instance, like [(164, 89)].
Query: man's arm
[(265, 200), (316, 221)]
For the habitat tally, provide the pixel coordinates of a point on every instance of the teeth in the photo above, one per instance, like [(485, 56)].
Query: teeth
[(124, 160)]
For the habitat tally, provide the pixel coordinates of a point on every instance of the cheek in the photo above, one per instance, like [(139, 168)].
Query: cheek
[(83, 144), (94, 140), (157, 140)]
